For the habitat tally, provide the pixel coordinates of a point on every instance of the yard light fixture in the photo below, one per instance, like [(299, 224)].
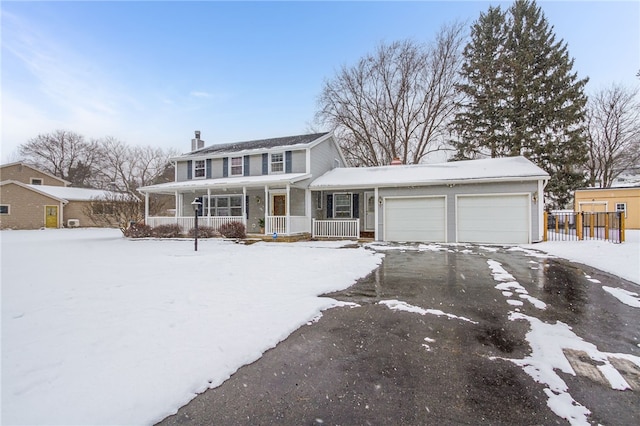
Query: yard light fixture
[(196, 209)]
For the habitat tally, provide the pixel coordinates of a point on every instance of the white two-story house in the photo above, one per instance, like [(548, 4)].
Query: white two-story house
[(262, 182)]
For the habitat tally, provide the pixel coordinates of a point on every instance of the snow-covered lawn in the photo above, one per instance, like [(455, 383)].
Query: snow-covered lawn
[(97, 329), (622, 260)]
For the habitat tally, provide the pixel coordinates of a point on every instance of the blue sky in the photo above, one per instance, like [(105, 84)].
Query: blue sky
[(153, 72)]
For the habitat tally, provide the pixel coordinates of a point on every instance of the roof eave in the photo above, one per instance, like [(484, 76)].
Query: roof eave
[(429, 183)]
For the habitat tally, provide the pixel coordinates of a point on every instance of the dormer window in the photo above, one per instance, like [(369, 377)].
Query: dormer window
[(277, 163), (237, 166), (199, 169)]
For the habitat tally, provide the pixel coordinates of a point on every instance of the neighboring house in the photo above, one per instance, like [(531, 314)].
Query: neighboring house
[(33, 199), (22, 172), (300, 185), (620, 199)]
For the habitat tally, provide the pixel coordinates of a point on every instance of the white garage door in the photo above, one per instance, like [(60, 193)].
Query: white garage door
[(414, 219), (499, 219)]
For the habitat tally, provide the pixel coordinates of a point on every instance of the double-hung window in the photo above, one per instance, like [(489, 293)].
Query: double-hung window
[(622, 207), (199, 169), (226, 205), (277, 163), (342, 206), (237, 166)]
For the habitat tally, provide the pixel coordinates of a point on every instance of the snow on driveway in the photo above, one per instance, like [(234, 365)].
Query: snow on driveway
[(97, 329)]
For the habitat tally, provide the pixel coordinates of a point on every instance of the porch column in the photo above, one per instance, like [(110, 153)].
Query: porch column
[(375, 213), (146, 207), (208, 206), (266, 209), (176, 199), (244, 207), (288, 212)]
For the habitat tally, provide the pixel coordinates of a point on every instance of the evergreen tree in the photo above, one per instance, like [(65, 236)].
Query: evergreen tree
[(536, 104), (479, 124)]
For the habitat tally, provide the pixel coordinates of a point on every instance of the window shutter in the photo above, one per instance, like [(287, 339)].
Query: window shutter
[(265, 164), (208, 168), (225, 167), (246, 205), (329, 206), (246, 165), (355, 205), (287, 162), (189, 169)]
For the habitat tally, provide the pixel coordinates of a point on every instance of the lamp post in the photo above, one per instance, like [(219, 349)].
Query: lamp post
[(196, 209)]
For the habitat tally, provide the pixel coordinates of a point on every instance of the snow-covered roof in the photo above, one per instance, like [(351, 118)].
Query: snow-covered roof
[(239, 181), (299, 141), (72, 194), (484, 170)]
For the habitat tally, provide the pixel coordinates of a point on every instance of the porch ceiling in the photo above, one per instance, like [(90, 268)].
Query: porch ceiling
[(228, 182)]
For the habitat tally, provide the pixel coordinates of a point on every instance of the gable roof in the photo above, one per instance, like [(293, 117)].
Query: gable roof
[(484, 170), (34, 188), (63, 194), (261, 144), (22, 163)]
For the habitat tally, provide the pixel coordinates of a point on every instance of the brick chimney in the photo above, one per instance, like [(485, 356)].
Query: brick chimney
[(197, 143), (396, 162)]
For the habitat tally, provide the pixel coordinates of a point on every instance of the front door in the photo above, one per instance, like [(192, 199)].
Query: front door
[(370, 211), (51, 216), (279, 205)]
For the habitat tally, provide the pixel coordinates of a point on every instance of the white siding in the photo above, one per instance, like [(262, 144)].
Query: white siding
[(415, 219), (497, 219)]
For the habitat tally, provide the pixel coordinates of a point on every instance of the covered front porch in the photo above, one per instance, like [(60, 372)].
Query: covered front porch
[(280, 205)]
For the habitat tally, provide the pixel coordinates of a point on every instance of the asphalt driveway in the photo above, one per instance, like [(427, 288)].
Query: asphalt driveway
[(436, 336)]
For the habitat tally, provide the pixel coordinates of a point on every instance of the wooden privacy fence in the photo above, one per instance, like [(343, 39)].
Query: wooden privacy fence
[(576, 226)]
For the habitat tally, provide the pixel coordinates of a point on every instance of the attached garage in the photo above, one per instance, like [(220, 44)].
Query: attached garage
[(498, 219), (415, 219)]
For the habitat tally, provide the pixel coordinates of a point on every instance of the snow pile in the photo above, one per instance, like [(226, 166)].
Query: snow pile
[(622, 260), (97, 329), (549, 342), (507, 282), (397, 305)]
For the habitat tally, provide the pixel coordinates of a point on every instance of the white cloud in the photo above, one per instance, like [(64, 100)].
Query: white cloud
[(200, 94)]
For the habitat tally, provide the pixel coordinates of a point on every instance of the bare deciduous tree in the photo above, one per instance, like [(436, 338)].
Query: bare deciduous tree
[(115, 210), (396, 102), (64, 154), (613, 117), (126, 168)]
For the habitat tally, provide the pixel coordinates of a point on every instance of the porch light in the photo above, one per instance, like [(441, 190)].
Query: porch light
[(196, 203)]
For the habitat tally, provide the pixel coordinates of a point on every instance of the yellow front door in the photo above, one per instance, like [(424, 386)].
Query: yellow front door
[(51, 216)]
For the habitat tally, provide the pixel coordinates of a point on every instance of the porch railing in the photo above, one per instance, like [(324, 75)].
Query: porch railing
[(286, 225), (186, 222), (575, 226), (336, 228)]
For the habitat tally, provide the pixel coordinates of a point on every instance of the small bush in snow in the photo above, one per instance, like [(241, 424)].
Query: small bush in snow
[(205, 232), (137, 230), (167, 231), (233, 230)]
